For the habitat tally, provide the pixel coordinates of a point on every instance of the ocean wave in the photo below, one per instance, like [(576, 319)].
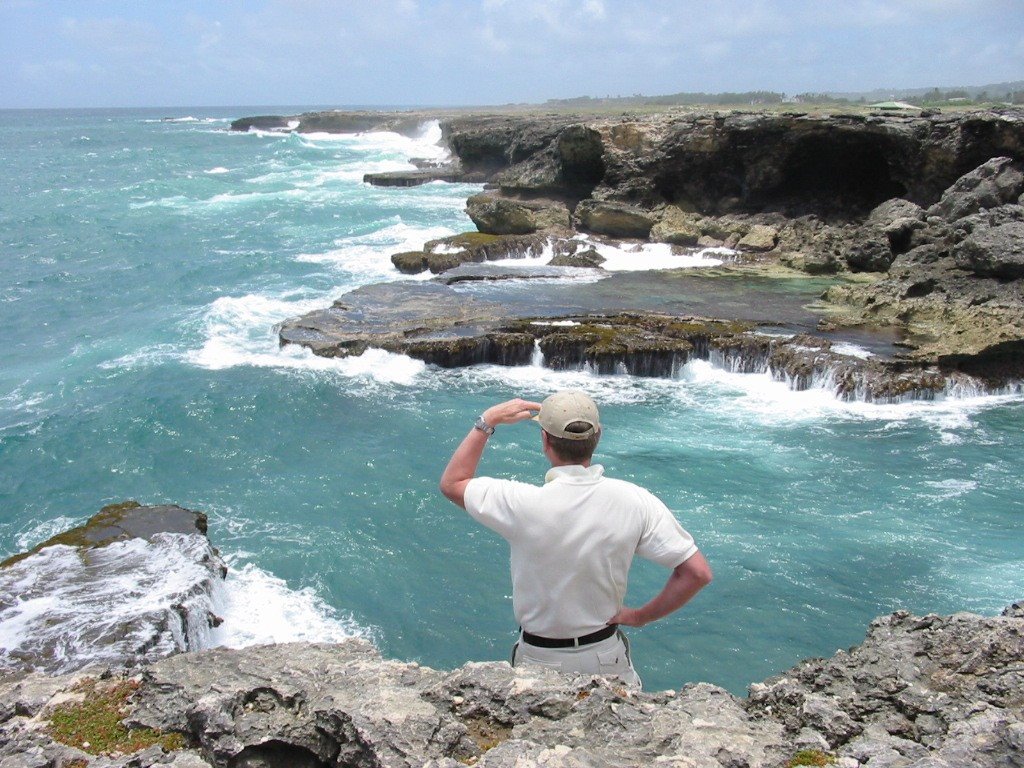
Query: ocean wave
[(367, 257), (155, 595), (42, 530), (426, 144), (216, 171), (258, 607), (157, 354), (188, 119), (742, 397), (646, 257), (71, 610), (241, 332)]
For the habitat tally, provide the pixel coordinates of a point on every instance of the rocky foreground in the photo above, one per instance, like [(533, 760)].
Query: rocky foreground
[(928, 692), (917, 220)]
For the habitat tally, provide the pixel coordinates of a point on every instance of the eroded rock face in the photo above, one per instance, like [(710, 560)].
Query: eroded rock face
[(78, 610), (954, 274), (509, 216), (993, 183), (613, 219), (919, 691), (917, 687), (994, 251)]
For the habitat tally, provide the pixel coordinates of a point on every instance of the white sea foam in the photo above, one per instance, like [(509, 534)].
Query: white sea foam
[(426, 144), (258, 608), (744, 397), (367, 257), (640, 257), (41, 530), (851, 350), (157, 354), (215, 171), (951, 488), (646, 257), (73, 610), (241, 332)]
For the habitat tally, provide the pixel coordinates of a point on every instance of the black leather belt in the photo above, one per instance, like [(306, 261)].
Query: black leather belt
[(570, 642)]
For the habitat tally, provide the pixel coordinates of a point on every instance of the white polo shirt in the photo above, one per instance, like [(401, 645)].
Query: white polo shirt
[(572, 543)]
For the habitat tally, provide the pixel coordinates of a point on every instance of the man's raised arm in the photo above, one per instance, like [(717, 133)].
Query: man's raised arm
[(463, 463)]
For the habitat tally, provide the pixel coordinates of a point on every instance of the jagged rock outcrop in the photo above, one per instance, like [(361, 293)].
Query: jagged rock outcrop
[(446, 253), (66, 605), (497, 215), (927, 692), (954, 272)]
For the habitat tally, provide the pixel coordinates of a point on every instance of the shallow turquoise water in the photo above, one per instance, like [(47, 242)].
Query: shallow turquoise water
[(145, 264)]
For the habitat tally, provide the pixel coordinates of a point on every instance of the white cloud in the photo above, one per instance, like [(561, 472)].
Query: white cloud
[(594, 9), (491, 40)]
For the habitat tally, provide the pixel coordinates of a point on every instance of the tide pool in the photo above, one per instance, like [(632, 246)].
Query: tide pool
[(145, 265)]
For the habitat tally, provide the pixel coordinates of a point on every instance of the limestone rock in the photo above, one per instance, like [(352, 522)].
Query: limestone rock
[(84, 615), (936, 691), (994, 183), (496, 215), (677, 227), (760, 238), (872, 254), (410, 262), (571, 165), (891, 210), (994, 252), (589, 258), (613, 219)]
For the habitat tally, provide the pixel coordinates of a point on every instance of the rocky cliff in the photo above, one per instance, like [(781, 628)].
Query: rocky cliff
[(926, 207), (927, 692)]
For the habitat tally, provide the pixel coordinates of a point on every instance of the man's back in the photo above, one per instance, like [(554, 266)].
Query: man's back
[(572, 541)]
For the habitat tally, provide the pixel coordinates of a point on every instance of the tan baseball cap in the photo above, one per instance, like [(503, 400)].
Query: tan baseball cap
[(563, 408)]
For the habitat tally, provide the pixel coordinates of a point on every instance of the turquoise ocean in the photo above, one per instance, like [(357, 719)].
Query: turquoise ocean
[(145, 262)]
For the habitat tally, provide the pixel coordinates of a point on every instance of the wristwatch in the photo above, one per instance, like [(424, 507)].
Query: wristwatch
[(483, 426)]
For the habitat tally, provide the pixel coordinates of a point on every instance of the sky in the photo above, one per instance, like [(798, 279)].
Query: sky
[(121, 53)]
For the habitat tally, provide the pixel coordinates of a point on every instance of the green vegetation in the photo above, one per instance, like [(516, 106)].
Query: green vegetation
[(485, 733), (810, 757), (468, 240), (94, 724)]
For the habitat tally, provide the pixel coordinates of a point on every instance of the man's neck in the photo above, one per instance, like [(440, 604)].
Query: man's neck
[(561, 463)]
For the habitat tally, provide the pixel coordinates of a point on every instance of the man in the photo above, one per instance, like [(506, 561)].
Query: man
[(572, 540)]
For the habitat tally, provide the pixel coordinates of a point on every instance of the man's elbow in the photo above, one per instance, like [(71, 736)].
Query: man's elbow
[(698, 570), (705, 576), (453, 492)]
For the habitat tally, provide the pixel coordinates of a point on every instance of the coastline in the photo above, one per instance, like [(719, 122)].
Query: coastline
[(914, 218)]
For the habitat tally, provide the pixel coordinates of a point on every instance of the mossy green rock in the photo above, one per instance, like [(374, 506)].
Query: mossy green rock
[(127, 520), (410, 262)]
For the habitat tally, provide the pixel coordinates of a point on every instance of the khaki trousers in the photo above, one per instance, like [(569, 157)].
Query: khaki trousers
[(608, 657)]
